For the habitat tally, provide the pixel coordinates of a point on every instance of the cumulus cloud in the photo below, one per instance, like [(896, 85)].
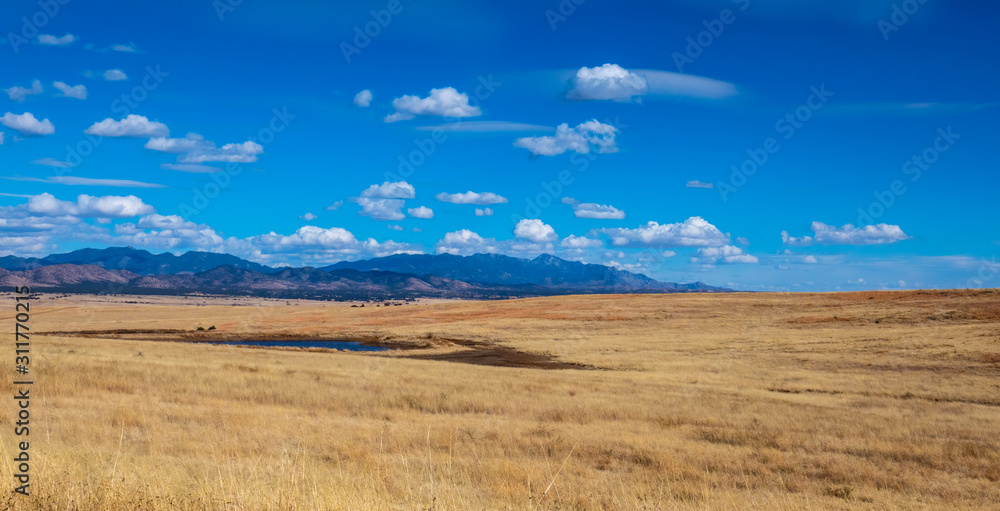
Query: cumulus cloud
[(308, 217), (609, 81), (580, 139), (726, 254), (18, 93), (27, 124), (86, 206), (192, 142), (847, 235), (335, 206), (51, 40), (594, 211), (394, 227), (234, 153), (71, 91), (470, 197), (131, 126), (699, 184), (809, 259), (113, 75), (579, 242), (693, 232), (446, 102), (421, 212), (465, 242), (535, 231), (363, 98), (381, 209), (194, 149), (484, 212), (387, 190)]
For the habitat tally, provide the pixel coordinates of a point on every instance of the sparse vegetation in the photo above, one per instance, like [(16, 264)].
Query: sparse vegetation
[(742, 401)]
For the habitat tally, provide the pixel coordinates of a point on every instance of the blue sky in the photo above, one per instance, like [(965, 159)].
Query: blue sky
[(756, 144)]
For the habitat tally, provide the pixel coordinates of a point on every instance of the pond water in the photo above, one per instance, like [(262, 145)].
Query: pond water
[(336, 345)]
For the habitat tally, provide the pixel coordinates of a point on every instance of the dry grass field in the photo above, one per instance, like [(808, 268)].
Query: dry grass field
[(875, 400)]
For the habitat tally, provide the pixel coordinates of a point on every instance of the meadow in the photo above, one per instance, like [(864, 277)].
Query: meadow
[(873, 400)]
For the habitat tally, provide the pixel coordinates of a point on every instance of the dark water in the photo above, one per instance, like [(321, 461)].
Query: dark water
[(337, 345)]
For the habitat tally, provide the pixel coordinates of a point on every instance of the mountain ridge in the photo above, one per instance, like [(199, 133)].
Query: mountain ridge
[(128, 270)]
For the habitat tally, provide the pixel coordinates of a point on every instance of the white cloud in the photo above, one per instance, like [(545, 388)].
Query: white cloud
[(394, 227), (693, 232), (194, 168), (484, 212), (594, 211), (1, 138), (669, 253), (809, 259), (113, 75), (18, 93), (71, 91), (363, 98), (27, 124), (234, 153), (52, 162), (686, 86), (131, 126), (727, 254), (308, 217), (51, 40), (579, 242), (470, 197), (421, 212), (535, 230), (86, 206), (335, 206), (699, 184), (194, 149), (387, 190), (192, 142), (609, 81), (381, 209), (485, 126), (85, 181), (465, 242), (125, 48), (578, 139), (847, 235), (446, 102)]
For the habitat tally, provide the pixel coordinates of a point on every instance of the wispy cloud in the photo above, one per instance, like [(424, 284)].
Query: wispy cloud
[(83, 181)]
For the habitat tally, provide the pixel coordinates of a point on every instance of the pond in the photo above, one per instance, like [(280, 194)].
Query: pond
[(335, 345)]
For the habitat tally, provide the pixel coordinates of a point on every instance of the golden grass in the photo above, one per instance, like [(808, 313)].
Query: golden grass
[(737, 401)]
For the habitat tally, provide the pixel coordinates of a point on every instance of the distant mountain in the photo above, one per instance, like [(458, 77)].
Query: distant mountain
[(136, 261), (544, 270), (131, 271)]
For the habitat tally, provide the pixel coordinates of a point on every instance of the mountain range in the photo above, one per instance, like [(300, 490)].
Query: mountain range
[(125, 270)]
